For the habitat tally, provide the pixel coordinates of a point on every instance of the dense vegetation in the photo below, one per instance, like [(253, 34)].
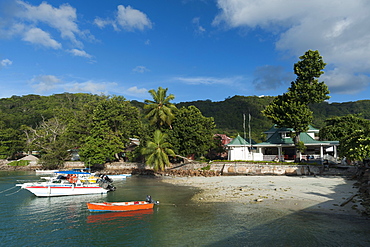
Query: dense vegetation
[(32, 122)]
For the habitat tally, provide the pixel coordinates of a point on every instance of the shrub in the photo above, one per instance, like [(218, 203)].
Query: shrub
[(19, 163)]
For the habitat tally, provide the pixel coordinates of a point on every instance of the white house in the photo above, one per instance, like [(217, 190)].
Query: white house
[(240, 149)]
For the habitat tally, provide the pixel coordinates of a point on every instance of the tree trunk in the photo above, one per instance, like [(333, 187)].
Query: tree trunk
[(298, 153)]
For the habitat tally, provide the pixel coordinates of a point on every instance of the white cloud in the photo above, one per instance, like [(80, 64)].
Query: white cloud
[(338, 81), (198, 28), (36, 23), (79, 53), (39, 37), (45, 83), (90, 87), (63, 19), (339, 30), (136, 91), (126, 18), (101, 22), (208, 80), (5, 62), (140, 69)]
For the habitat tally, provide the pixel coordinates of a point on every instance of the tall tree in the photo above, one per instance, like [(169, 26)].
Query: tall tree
[(160, 111), (192, 133), (113, 122), (157, 151), (49, 139), (292, 108)]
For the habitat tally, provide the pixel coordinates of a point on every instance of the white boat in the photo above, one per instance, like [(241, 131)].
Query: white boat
[(66, 186), (119, 176), (46, 171)]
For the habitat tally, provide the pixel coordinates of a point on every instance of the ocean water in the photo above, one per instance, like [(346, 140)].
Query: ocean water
[(26, 220)]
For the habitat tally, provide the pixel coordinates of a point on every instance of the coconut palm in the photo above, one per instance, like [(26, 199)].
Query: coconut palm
[(157, 151), (160, 110)]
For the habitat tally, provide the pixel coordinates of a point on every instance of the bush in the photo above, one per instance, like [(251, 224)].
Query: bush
[(206, 168), (19, 163)]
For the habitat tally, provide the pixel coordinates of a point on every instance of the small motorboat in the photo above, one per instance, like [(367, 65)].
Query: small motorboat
[(121, 206), (119, 176), (46, 171)]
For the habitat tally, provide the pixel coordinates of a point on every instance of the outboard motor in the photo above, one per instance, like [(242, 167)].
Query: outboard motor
[(150, 200)]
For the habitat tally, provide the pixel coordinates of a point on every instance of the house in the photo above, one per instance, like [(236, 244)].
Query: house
[(240, 149), (280, 145)]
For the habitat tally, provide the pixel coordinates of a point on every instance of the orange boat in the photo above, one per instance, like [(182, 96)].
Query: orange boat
[(121, 206)]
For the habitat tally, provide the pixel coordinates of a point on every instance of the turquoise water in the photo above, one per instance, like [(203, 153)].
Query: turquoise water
[(26, 220)]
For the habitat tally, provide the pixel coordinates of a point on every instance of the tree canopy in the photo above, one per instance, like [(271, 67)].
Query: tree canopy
[(192, 133), (291, 109), (160, 110), (352, 131), (157, 151)]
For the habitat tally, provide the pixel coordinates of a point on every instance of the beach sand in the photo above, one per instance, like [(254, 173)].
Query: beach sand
[(294, 193)]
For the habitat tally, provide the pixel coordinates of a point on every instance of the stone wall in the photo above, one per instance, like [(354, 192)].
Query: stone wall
[(239, 168), (222, 168)]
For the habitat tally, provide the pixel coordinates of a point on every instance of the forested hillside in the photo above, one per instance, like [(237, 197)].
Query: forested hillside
[(228, 114), (21, 112)]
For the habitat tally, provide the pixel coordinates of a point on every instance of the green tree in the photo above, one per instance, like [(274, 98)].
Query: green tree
[(192, 133), (350, 127), (339, 127), (357, 145), (291, 109), (160, 111), (157, 151), (48, 138), (113, 121)]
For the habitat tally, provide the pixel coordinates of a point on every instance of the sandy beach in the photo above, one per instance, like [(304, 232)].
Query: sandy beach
[(294, 193)]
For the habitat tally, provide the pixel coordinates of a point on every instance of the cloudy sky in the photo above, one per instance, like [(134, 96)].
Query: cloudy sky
[(198, 49)]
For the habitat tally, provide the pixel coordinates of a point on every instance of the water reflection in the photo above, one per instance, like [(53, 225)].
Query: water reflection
[(109, 216)]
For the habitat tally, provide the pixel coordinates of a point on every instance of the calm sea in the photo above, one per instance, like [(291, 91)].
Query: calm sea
[(26, 220)]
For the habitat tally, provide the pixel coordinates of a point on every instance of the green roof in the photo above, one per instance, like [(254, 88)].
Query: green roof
[(277, 139), (284, 129), (238, 141)]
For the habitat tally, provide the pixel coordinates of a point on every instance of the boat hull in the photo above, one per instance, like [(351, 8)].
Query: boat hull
[(119, 206), (63, 190), (118, 177)]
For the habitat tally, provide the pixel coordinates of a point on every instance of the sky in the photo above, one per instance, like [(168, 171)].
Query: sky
[(198, 49)]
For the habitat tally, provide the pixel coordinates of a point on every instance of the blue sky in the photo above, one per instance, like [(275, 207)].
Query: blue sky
[(198, 49)]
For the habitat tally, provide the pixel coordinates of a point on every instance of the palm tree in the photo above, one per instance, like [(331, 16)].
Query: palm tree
[(157, 151), (160, 110)]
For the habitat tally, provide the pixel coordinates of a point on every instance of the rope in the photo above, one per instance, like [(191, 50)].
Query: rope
[(7, 189), (13, 192)]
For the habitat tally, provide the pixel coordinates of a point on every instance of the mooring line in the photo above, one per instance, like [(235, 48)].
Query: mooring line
[(7, 189), (13, 192)]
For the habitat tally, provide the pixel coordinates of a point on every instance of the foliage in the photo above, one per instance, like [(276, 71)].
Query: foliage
[(206, 168), (157, 151), (192, 133), (114, 121), (19, 114), (160, 110), (228, 114), (19, 163), (48, 138), (11, 142), (357, 145), (291, 109), (338, 128), (350, 130)]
